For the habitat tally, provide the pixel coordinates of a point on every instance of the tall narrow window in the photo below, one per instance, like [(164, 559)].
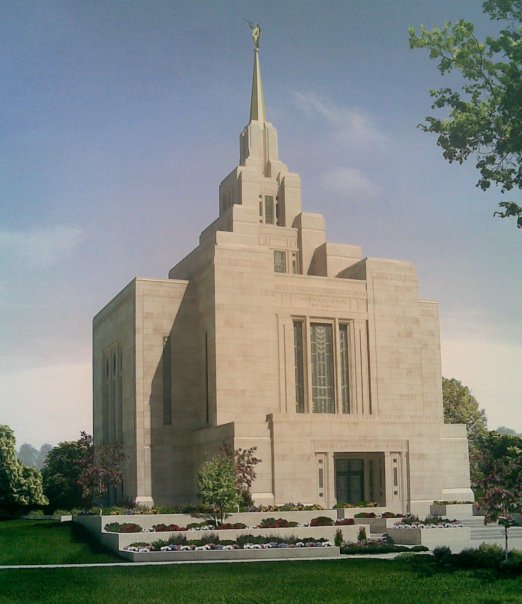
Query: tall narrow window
[(279, 261), (295, 263), (299, 367), (167, 384), (345, 370), (269, 209), (323, 384)]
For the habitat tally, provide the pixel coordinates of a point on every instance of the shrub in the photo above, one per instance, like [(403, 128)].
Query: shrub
[(442, 555), (322, 521), (420, 548), (365, 515), (485, 556), (279, 523), (362, 534), (126, 527), (207, 538), (164, 528), (197, 525), (390, 515), (226, 526), (338, 539), (345, 522), (178, 539)]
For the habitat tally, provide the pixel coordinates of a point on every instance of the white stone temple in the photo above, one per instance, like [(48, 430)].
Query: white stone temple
[(268, 335)]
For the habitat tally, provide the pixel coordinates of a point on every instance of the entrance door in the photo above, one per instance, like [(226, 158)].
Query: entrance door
[(349, 480)]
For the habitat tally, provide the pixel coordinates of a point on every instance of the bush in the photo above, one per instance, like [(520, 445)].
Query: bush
[(366, 515), (207, 538), (345, 522), (485, 556), (227, 526), (126, 527), (164, 528), (420, 548), (279, 523), (442, 554), (338, 539), (178, 539), (362, 534), (322, 521)]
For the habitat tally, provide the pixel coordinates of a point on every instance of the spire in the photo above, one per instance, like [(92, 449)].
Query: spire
[(257, 102)]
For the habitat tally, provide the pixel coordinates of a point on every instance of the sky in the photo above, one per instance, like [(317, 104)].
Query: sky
[(118, 120)]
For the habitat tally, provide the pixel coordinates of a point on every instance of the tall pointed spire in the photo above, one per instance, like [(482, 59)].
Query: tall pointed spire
[(257, 102)]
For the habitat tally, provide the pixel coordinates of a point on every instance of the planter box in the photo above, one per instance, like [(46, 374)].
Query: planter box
[(452, 510), (456, 539), (238, 554), (117, 541), (378, 525)]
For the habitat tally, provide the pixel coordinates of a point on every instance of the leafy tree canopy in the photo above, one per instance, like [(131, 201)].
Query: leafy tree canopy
[(19, 486), (217, 484), (62, 470), (461, 407), (484, 118), (28, 455), (244, 461)]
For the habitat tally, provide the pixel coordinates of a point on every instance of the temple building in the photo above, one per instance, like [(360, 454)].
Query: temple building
[(268, 335)]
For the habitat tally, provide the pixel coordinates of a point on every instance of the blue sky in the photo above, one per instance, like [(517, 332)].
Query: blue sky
[(119, 119)]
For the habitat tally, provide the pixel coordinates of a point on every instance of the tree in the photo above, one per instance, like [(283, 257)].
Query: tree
[(461, 407), (101, 470), (27, 455), (217, 485), (500, 467), (20, 487), (485, 117), (507, 431), (42, 455), (244, 461), (62, 470)]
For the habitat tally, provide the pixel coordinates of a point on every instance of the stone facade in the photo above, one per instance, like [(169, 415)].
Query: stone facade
[(267, 335)]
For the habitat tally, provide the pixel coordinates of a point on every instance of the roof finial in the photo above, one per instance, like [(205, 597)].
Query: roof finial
[(256, 33), (257, 102)]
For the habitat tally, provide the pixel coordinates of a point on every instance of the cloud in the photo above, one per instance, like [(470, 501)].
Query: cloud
[(351, 125), (349, 181), (39, 248)]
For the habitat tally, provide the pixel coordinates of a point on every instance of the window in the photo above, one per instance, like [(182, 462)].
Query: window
[(167, 382), (323, 387), (344, 368), (269, 209), (327, 371), (299, 367), (286, 262), (279, 262)]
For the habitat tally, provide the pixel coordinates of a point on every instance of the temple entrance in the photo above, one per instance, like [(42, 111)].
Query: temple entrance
[(349, 480), (359, 477)]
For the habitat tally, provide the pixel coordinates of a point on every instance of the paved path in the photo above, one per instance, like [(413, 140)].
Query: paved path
[(390, 556)]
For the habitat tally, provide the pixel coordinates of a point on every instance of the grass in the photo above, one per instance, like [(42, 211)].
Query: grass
[(49, 542), (414, 580), (346, 581)]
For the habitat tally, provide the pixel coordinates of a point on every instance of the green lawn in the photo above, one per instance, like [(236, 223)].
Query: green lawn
[(49, 542), (415, 580)]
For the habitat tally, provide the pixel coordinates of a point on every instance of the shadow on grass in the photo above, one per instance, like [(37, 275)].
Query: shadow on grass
[(427, 567)]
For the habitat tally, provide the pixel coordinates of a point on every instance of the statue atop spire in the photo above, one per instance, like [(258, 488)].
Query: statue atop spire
[(256, 33), (257, 102)]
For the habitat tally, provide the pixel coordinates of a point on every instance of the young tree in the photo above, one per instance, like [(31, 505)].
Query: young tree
[(19, 486), (500, 466), (244, 461), (217, 485), (485, 116)]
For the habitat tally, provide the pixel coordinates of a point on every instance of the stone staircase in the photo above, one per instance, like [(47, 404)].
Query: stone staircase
[(490, 532)]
